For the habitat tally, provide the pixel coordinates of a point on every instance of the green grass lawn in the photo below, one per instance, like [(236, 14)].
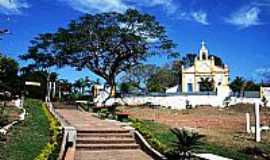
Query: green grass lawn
[(162, 133), (27, 139)]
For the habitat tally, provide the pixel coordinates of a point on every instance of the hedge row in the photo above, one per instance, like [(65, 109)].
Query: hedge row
[(154, 142), (50, 151)]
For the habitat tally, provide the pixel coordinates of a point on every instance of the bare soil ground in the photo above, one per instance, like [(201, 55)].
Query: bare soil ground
[(224, 127)]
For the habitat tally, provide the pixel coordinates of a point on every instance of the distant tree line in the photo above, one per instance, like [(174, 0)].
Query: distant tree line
[(152, 78)]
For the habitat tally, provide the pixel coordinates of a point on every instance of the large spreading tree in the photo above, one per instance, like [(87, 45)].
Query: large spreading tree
[(106, 44)]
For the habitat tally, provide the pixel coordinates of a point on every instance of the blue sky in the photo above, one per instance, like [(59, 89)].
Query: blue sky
[(237, 31)]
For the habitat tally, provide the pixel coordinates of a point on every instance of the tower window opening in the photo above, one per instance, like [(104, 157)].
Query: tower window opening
[(204, 56)]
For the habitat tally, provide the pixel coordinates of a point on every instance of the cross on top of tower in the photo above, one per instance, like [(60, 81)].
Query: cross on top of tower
[(203, 43)]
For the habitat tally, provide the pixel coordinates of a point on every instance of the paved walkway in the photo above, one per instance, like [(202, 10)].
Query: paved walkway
[(86, 122)]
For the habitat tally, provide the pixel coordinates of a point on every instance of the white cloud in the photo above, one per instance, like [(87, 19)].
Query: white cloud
[(263, 71), (169, 6), (245, 17), (12, 6), (96, 6), (262, 3), (197, 16), (200, 17)]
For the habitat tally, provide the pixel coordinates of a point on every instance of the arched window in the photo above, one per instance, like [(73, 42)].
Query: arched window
[(204, 56)]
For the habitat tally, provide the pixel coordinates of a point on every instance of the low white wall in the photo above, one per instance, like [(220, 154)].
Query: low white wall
[(178, 101), (174, 102), (236, 100)]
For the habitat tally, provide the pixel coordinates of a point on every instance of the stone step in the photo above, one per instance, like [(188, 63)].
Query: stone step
[(104, 131), (105, 135), (108, 140), (94, 147)]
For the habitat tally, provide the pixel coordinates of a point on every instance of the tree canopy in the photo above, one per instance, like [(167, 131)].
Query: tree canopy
[(106, 43), (161, 80), (9, 79), (38, 92), (137, 77), (237, 84), (240, 84)]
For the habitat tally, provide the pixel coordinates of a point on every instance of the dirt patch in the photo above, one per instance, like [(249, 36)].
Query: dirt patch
[(221, 126)]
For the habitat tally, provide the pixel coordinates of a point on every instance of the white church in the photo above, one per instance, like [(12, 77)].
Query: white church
[(205, 68)]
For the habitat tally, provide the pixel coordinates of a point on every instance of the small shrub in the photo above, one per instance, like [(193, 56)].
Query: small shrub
[(185, 143), (103, 113)]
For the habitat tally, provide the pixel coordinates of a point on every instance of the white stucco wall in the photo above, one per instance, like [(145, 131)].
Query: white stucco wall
[(180, 101), (174, 102), (236, 100)]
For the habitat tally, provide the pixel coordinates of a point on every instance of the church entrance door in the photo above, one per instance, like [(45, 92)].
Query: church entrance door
[(190, 87)]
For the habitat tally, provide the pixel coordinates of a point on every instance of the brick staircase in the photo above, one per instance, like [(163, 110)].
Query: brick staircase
[(109, 139), (100, 140)]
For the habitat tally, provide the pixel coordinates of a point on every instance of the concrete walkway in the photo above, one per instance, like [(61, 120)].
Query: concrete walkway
[(100, 139)]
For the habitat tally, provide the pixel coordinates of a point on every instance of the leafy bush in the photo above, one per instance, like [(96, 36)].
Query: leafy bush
[(55, 133), (103, 113)]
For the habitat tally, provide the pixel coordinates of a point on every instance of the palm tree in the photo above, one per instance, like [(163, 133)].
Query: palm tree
[(63, 86), (206, 84), (78, 85), (185, 143), (238, 85)]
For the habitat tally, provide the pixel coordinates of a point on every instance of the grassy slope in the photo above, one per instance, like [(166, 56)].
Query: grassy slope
[(27, 139), (162, 133)]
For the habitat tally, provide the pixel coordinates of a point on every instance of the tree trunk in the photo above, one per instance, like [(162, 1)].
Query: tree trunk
[(59, 93), (111, 92), (54, 90)]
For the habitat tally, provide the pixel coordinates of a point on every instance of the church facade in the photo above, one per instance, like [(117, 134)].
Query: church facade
[(205, 69)]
